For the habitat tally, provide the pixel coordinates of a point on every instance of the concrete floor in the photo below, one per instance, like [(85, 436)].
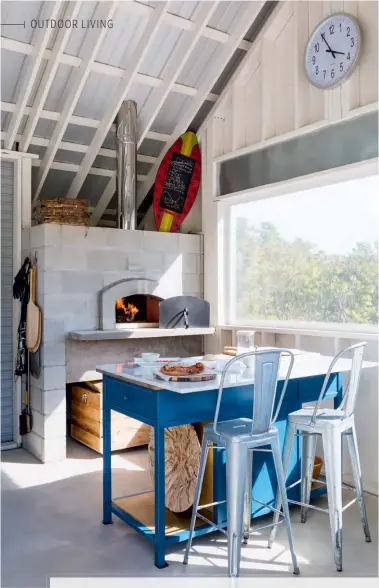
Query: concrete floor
[(51, 527)]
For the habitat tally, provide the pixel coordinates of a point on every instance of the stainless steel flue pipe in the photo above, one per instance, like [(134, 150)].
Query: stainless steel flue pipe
[(126, 183)]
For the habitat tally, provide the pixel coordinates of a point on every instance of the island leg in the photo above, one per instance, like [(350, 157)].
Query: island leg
[(107, 466), (159, 496)]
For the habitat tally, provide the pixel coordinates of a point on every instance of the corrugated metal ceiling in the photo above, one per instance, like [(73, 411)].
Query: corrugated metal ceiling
[(40, 66)]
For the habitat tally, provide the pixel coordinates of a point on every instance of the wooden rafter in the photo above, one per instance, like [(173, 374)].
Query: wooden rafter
[(50, 10), (220, 62), (48, 76), (123, 87), (102, 68), (182, 53), (91, 46), (80, 121)]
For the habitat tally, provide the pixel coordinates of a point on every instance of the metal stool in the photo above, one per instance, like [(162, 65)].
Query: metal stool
[(331, 424), (238, 437)]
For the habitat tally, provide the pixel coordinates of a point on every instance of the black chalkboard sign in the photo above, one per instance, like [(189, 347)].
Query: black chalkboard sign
[(177, 182)]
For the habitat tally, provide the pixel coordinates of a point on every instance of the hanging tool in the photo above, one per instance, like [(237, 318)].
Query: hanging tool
[(25, 419), (33, 316)]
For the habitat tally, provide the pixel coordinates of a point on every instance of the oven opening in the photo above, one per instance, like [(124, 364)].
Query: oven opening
[(137, 311)]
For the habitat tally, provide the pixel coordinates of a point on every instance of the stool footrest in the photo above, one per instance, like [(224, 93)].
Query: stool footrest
[(272, 508), (255, 530), (211, 504), (211, 523), (308, 505)]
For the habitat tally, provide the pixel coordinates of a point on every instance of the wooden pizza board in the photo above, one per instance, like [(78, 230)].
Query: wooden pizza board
[(177, 183)]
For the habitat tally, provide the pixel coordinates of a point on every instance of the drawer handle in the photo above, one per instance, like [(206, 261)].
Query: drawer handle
[(125, 398)]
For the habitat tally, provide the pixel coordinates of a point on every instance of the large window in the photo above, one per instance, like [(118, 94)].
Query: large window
[(307, 256)]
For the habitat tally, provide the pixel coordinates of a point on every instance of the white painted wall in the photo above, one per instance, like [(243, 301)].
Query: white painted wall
[(271, 96), (268, 100)]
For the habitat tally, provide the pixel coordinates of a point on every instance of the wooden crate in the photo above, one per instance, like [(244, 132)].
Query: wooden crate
[(87, 417)]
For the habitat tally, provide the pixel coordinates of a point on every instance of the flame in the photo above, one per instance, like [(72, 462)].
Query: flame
[(130, 311)]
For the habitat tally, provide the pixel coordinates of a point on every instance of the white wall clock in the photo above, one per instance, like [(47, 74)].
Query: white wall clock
[(333, 50)]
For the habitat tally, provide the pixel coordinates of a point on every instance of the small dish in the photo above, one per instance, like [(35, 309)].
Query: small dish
[(150, 357)]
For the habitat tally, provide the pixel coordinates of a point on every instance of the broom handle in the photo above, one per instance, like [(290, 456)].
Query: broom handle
[(32, 284)]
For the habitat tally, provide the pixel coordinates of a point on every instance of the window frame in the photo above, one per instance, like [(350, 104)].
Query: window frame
[(321, 179)]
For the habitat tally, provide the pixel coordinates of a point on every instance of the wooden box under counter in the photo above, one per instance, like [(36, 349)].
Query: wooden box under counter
[(87, 421)]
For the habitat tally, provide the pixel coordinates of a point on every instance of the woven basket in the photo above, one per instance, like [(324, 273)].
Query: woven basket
[(62, 211)]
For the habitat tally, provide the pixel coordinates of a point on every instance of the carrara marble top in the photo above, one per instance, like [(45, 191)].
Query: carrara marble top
[(305, 365)]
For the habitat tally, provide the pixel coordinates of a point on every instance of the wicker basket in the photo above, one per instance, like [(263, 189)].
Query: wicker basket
[(62, 211)]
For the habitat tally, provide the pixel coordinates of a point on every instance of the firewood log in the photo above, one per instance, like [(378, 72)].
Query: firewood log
[(182, 460)]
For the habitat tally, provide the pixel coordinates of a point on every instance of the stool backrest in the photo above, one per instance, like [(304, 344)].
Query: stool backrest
[(264, 390), (349, 399)]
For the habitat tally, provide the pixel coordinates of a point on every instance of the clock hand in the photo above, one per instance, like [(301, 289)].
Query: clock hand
[(325, 41), (335, 52)]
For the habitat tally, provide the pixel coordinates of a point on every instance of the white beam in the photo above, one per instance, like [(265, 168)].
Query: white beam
[(139, 54), (48, 76), (103, 68), (91, 46), (78, 148), (33, 62), (81, 121), (95, 171), (222, 58), (181, 54)]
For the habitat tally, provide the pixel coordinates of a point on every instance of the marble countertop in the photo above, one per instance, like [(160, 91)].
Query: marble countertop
[(305, 365)]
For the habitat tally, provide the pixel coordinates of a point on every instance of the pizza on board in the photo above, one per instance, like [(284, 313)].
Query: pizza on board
[(183, 370)]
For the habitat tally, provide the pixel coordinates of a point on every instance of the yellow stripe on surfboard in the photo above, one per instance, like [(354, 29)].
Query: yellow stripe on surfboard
[(166, 222), (189, 140)]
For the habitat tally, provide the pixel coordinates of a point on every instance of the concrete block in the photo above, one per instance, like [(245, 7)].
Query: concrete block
[(53, 329), (190, 263), (52, 378), (189, 243), (45, 235), (53, 354), (142, 260), (74, 282), (54, 401), (109, 259), (33, 443), (200, 264), (160, 242), (54, 449), (82, 321), (62, 258), (48, 282), (125, 240), (49, 426), (173, 263), (192, 283), (36, 397)]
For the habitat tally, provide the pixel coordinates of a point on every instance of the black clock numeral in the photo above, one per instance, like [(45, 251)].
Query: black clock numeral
[(313, 60), (331, 29), (340, 28), (332, 73), (317, 47), (348, 56), (348, 32), (341, 66), (324, 73), (352, 42), (317, 70)]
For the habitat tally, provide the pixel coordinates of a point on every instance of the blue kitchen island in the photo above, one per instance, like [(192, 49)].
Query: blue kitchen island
[(140, 395)]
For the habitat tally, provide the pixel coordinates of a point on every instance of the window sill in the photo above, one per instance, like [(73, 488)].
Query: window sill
[(369, 333)]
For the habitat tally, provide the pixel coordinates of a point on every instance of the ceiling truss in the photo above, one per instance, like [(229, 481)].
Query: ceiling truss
[(162, 87)]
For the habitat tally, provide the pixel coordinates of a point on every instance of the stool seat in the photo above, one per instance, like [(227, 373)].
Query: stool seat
[(325, 418), (237, 431)]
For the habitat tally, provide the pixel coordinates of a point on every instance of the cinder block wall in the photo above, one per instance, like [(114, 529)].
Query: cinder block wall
[(73, 264)]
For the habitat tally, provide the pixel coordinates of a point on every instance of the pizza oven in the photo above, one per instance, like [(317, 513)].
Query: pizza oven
[(135, 303)]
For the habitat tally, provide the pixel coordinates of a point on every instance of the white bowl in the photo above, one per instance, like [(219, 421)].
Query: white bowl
[(150, 357)]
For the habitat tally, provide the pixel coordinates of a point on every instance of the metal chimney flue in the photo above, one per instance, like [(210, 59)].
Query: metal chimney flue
[(126, 184)]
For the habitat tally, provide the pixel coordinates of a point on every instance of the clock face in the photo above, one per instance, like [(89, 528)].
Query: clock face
[(332, 50)]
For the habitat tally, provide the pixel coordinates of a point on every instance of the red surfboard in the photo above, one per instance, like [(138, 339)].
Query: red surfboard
[(177, 183)]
